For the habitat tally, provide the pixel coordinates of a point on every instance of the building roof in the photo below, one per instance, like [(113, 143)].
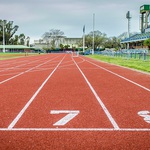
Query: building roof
[(137, 37), (15, 47)]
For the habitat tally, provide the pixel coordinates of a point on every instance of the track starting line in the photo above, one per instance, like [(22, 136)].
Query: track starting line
[(75, 129)]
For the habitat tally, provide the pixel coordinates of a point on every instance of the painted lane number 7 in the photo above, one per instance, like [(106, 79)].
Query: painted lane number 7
[(70, 114), (145, 114)]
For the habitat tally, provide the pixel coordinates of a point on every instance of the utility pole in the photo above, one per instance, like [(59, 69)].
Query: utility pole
[(3, 36), (128, 16), (83, 38), (93, 32)]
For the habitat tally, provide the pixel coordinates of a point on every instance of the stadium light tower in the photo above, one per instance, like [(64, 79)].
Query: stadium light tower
[(93, 33), (128, 16), (145, 16), (3, 36)]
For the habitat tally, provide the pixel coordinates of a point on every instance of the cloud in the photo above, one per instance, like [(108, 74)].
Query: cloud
[(35, 17)]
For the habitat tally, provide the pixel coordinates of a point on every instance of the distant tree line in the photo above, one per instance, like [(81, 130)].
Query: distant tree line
[(101, 41), (54, 37), (9, 34)]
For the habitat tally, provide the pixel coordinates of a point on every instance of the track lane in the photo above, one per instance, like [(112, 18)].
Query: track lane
[(65, 91), (7, 64), (70, 139), (16, 92), (136, 76), (11, 74), (115, 125), (124, 99), (14, 70)]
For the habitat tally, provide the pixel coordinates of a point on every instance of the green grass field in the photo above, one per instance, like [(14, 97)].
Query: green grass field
[(5, 56), (131, 63)]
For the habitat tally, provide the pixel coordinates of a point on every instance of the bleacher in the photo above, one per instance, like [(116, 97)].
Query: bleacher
[(137, 37)]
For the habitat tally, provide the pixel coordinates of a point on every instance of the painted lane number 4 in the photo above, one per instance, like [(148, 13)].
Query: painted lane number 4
[(70, 114), (145, 114)]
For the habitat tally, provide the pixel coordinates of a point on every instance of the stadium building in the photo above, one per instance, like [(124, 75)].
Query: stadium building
[(136, 41), (70, 42)]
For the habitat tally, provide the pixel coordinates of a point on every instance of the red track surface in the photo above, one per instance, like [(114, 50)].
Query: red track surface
[(111, 104)]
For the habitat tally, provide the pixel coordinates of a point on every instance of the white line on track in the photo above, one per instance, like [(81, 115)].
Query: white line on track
[(8, 63), (68, 65), (78, 129), (113, 122), (147, 89), (14, 67), (33, 97), (25, 71)]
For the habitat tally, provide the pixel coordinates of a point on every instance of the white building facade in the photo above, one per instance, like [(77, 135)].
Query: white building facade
[(47, 44)]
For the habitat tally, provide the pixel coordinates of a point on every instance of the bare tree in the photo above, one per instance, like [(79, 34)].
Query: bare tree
[(53, 37)]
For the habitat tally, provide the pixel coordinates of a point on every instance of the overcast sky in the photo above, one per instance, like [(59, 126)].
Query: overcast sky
[(35, 17)]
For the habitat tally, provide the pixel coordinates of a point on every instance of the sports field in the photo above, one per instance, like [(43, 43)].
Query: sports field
[(56, 101)]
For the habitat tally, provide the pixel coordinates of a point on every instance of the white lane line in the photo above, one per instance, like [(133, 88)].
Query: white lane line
[(25, 71), (8, 63), (147, 89), (78, 129), (14, 67), (99, 100), (69, 65), (33, 97)]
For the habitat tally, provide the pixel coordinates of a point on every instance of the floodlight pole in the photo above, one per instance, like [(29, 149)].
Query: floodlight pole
[(83, 38), (128, 16), (3, 37), (93, 32)]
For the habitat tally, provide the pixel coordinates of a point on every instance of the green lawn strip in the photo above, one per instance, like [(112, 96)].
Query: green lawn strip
[(131, 63), (5, 56)]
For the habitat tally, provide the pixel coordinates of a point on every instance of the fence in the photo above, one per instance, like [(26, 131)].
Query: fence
[(127, 53)]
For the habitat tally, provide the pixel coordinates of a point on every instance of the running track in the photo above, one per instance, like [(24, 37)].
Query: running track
[(57, 101)]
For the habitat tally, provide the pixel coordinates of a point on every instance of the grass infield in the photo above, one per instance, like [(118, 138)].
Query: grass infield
[(5, 56), (131, 63)]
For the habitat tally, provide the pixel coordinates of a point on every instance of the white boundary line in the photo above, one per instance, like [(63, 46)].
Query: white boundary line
[(32, 98), (10, 128), (14, 67), (147, 89), (77, 129), (25, 71), (113, 122)]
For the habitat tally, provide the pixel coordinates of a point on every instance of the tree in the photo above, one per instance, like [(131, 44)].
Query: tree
[(61, 46), (9, 31), (16, 39), (22, 39), (99, 39), (147, 43), (27, 40), (53, 37), (66, 47), (112, 42)]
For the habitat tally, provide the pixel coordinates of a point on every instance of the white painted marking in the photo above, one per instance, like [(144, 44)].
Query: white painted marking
[(32, 98), (98, 98), (145, 114), (15, 67), (147, 89), (25, 71), (70, 115), (78, 129)]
